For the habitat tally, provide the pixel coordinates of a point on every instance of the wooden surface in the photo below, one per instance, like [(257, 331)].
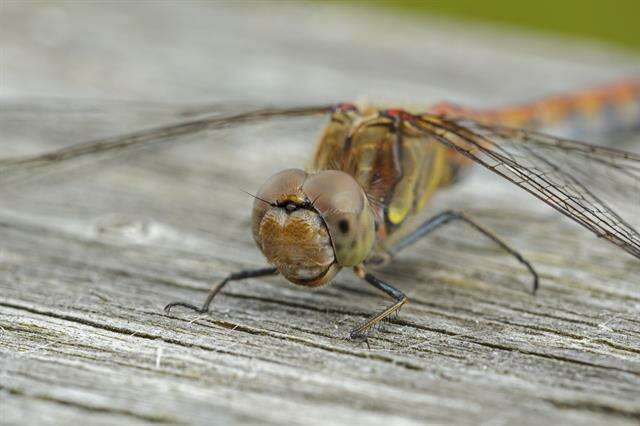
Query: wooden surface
[(90, 255)]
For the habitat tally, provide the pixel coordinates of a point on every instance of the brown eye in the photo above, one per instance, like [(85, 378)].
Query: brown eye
[(344, 207)]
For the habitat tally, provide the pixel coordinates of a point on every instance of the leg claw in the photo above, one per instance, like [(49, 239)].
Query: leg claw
[(171, 305)]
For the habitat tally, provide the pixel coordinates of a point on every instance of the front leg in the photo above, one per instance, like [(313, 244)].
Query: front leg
[(361, 332), (241, 275)]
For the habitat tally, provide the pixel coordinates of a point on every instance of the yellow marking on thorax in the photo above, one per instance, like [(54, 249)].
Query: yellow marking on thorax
[(413, 154), (436, 174), (428, 175)]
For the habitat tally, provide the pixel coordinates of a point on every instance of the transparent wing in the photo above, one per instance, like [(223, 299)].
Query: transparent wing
[(597, 187), (24, 166)]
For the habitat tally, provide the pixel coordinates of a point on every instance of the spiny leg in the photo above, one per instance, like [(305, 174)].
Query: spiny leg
[(360, 332), (448, 216), (241, 275)]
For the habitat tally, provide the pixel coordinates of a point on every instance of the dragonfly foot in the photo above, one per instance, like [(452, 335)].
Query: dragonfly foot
[(171, 305), (359, 336), (536, 281)]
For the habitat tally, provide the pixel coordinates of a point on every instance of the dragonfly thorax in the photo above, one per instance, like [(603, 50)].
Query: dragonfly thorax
[(310, 225)]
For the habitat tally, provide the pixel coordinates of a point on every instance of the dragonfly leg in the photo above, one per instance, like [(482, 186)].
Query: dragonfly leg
[(360, 332), (449, 216), (241, 275)]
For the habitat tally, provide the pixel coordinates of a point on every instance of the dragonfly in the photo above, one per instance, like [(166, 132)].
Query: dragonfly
[(375, 169)]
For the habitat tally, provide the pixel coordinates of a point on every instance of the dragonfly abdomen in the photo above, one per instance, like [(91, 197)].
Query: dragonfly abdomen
[(599, 111)]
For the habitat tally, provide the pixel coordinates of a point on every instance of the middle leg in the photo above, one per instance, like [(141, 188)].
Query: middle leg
[(449, 216)]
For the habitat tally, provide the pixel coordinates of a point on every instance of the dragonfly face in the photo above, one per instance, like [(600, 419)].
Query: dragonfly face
[(310, 225)]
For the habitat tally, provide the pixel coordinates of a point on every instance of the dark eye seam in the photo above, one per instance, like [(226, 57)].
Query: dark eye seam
[(344, 226)]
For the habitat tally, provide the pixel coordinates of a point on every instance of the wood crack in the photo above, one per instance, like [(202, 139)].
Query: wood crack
[(91, 408)]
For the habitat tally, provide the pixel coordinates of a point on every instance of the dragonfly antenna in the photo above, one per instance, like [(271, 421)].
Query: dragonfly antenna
[(256, 197)]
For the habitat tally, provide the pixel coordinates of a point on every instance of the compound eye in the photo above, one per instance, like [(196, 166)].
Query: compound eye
[(344, 207), (278, 190)]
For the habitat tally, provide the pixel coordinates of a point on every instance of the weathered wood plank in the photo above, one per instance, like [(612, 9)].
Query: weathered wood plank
[(88, 257)]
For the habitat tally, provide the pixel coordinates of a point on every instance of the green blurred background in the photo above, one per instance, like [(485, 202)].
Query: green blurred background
[(614, 21)]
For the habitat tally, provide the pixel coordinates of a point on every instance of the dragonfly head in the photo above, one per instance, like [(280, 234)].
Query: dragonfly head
[(310, 225)]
